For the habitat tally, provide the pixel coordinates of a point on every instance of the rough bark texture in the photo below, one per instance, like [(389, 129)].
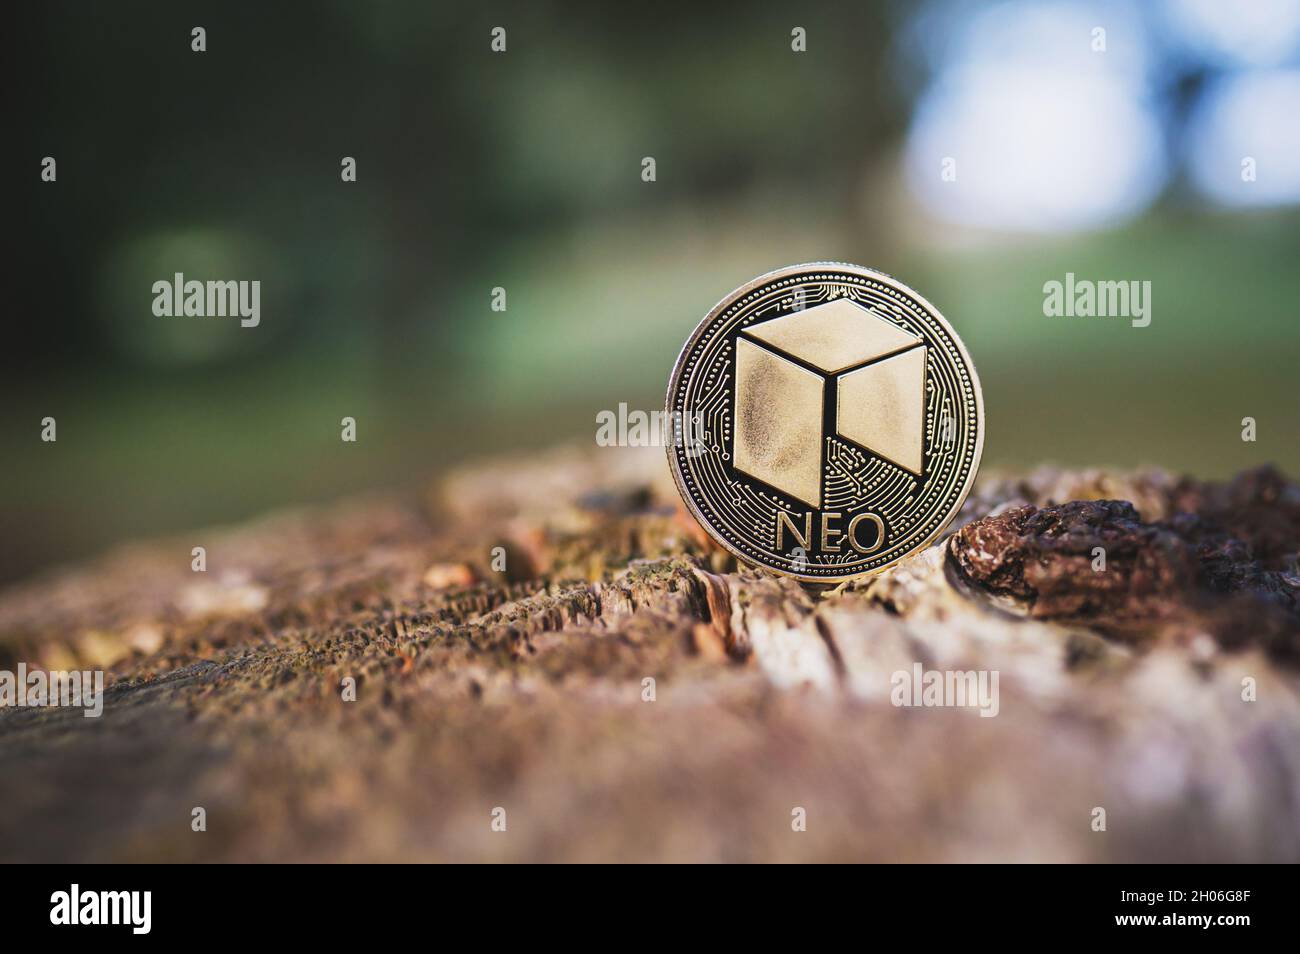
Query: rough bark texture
[(524, 690)]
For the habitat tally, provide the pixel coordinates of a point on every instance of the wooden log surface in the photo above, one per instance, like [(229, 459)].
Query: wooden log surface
[(524, 688)]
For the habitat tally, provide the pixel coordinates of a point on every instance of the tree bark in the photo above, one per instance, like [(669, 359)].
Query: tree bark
[(618, 689)]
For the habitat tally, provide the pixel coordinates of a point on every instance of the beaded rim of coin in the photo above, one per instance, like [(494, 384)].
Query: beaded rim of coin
[(922, 321)]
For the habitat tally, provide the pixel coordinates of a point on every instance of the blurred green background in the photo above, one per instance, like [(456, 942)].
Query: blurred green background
[(522, 169)]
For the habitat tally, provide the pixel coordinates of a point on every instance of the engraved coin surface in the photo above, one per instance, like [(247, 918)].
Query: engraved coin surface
[(828, 422)]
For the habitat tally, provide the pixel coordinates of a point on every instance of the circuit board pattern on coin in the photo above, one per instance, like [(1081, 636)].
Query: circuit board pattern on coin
[(831, 422)]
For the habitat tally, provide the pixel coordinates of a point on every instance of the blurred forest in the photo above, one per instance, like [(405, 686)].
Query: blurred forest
[(522, 170)]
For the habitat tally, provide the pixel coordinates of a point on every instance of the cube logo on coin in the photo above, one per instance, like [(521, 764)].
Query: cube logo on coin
[(839, 417)]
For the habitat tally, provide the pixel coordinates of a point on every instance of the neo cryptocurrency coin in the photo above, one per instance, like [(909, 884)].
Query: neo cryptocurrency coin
[(828, 422)]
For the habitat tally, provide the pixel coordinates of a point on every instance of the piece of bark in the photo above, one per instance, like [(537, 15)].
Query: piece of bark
[(1097, 563), (624, 691)]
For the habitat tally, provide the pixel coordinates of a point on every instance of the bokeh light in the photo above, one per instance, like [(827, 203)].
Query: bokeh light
[(1044, 111), (1238, 153), (1257, 33)]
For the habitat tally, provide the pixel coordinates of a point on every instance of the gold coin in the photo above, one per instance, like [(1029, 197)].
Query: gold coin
[(828, 422)]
